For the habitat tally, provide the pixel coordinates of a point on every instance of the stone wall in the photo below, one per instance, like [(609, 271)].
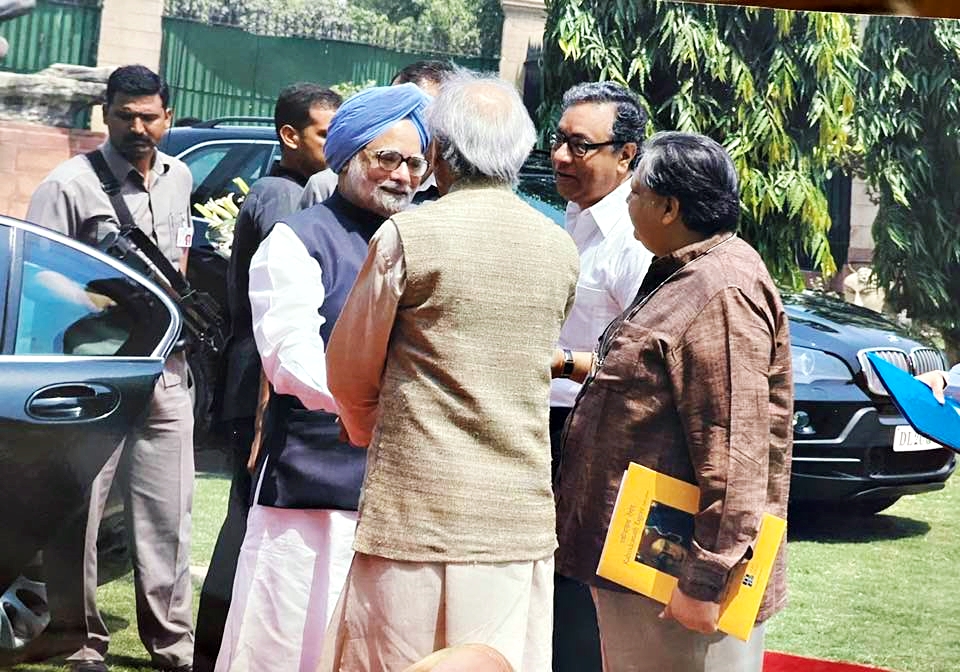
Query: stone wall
[(28, 152)]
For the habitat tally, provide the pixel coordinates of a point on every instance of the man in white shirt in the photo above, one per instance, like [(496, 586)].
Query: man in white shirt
[(594, 150)]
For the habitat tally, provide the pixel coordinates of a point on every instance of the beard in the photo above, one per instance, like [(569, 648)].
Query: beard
[(375, 195)]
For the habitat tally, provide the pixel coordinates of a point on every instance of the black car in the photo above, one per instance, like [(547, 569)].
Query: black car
[(851, 446), (82, 342)]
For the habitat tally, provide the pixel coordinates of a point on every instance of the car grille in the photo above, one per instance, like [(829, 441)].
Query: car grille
[(884, 461), (895, 356), (926, 359), (919, 360)]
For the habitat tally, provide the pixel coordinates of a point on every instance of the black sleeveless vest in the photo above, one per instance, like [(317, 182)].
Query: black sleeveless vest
[(305, 465)]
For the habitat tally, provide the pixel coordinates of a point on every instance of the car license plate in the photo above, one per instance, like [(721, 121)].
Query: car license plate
[(906, 439)]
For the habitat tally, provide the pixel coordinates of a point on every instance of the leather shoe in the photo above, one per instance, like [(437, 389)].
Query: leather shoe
[(88, 666)]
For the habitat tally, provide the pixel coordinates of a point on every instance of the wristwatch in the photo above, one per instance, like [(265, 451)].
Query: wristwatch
[(567, 369)]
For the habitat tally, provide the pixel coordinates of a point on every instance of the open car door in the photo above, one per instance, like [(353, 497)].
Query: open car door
[(82, 344)]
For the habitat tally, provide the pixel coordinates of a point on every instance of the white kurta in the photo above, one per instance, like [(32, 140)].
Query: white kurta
[(612, 266), (293, 562)]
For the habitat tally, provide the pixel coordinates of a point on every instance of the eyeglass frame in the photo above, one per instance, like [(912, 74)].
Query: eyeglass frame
[(556, 144), (378, 154)]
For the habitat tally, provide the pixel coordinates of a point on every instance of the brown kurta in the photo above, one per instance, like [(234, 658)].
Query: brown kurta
[(695, 382)]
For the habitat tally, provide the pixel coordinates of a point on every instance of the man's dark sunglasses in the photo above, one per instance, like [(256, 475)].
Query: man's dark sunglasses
[(578, 146), (390, 159)]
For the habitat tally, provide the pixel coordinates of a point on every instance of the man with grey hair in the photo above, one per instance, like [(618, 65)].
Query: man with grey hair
[(460, 304), (593, 149)]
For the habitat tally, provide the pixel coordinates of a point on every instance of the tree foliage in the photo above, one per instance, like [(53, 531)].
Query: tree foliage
[(910, 130), (776, 88), (449, 26), (455, 26)]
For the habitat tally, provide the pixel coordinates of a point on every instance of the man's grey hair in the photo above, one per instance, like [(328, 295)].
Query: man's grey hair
[(699, 173), (482, 129), (630, 121)]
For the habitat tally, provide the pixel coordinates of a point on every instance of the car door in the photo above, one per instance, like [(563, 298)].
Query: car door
[(82, 343)]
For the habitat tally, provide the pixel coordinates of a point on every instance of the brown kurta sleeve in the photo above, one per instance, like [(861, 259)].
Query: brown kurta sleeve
[(719, 370)]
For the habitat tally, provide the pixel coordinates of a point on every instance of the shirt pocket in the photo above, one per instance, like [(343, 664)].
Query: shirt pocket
[(633, 361), (593, 301)]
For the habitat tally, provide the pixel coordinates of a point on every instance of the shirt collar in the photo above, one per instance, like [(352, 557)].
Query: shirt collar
[(606, 212), (662, 267), (428, 183), (121, 168)]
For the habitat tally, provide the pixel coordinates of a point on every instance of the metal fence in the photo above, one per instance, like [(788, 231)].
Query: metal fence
[(217, 70), (56, 31)]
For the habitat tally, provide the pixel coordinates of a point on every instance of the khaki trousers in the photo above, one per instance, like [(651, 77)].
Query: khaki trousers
[(153, 467), (634, 639)]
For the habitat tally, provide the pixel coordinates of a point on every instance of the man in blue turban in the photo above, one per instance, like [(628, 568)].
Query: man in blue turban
[(298, 545)]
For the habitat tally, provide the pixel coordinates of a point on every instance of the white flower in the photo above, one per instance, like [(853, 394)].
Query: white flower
[(220, 215)]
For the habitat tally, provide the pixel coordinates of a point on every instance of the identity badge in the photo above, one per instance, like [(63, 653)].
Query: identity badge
[(185, 232)]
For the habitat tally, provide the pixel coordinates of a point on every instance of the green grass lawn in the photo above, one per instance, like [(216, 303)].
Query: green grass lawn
[(116, 600), (877, 590)]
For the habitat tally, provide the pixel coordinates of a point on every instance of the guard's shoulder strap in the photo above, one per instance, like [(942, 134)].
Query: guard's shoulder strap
[(111, 187), (129, 228)]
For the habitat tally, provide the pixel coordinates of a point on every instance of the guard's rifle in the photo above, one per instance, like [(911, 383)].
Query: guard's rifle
[(204, 321), (202, 317)]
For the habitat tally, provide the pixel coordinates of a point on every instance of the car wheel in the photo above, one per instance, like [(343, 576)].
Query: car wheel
[(869, 507), (23, 617)]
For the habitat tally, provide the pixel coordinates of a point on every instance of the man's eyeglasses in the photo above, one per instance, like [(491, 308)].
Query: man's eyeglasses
[(578, 146), (390, 159)]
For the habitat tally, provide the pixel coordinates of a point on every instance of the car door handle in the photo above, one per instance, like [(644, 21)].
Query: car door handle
[(73, 401)]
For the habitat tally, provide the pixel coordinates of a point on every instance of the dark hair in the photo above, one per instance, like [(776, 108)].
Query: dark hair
[(295, 102), (699, 173), (630, 120), (137, 81), (419, 72)]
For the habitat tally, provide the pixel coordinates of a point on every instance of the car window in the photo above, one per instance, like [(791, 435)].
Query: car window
[(73, 304), (214, 167), (202, 162)]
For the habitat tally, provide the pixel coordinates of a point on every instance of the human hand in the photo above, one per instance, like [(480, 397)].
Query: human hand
[(344, 435), (936, 381), (100, 301), (692, 614)]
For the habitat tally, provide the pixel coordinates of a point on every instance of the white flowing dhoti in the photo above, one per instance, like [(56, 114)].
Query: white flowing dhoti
[(391, 614), (292, 567)]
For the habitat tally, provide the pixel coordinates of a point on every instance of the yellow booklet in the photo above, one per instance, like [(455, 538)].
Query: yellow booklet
[(648, 538)]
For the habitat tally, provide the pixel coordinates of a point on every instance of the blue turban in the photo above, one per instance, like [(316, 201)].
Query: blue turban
[(371, 113)]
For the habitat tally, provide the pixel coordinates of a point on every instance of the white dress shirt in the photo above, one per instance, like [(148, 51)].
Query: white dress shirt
[(953, 383), (286, 293), (612, 265)]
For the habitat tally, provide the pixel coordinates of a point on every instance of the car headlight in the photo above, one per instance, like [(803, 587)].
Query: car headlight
[(810, 366)]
